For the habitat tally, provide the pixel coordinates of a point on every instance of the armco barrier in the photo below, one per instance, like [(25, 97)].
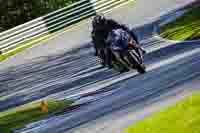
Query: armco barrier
[(54, 21)]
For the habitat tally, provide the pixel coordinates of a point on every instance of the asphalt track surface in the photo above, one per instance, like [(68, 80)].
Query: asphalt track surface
[(119, 99)]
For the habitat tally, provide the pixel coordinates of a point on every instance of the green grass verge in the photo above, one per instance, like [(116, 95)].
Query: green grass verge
[(184, 28), (19, 117), (184, 117)]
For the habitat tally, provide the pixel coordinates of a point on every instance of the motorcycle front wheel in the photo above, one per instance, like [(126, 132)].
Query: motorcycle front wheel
[(136, 62)]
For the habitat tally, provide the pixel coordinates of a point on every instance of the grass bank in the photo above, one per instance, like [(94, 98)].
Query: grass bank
[(184, 28), (19, 117), (183, 117)]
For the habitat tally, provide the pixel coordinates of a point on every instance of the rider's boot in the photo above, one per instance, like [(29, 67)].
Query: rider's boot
[(108, 58)]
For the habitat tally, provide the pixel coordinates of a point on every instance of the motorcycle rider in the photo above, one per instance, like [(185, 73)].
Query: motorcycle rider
[(101, 28)]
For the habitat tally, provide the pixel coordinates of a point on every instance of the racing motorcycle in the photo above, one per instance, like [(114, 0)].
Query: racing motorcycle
[(128, 59), (125, 60)]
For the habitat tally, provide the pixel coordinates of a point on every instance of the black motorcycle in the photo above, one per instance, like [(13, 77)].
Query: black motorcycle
[(124, 60)]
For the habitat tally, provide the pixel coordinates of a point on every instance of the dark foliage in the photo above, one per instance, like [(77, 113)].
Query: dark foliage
[(16, 12)]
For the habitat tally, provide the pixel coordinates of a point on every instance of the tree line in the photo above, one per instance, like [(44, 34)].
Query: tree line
[(16, 12)]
